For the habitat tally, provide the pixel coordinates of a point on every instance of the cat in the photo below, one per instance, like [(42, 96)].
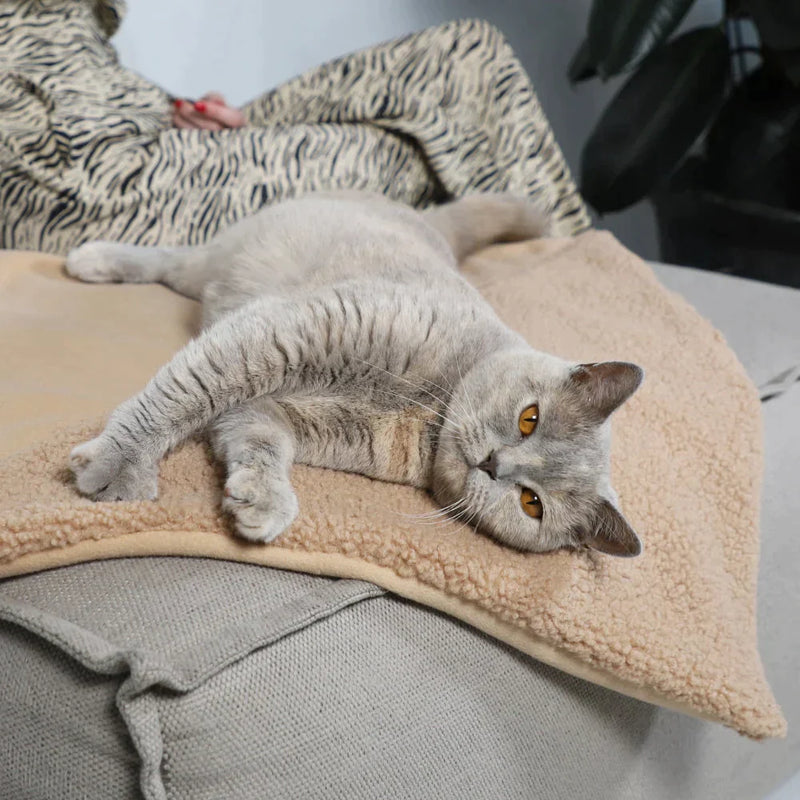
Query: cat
[(338, 332)]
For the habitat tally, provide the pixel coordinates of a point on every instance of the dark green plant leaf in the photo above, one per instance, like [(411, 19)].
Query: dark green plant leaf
[(581, 67), (789, 61), (778, 23), (752, 147), (654, 119), (735, 8), (622, 32)]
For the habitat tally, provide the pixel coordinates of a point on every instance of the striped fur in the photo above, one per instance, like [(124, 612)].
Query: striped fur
[(87, 151)]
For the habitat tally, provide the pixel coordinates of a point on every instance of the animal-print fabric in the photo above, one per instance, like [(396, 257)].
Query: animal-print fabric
[(87, 150)]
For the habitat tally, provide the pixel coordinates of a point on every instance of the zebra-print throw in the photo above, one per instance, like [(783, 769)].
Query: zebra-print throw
[(87, 150)]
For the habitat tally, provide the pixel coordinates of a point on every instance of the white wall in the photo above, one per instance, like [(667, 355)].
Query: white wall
[(244, 47)]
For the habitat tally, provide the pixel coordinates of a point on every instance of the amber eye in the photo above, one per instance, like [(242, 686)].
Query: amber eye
[(528, 420), (531, 504)]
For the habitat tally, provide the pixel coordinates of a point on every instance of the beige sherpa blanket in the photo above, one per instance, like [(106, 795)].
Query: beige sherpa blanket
[(675, 626)]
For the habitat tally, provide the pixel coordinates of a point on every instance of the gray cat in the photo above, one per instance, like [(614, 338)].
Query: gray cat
[(338, 333)]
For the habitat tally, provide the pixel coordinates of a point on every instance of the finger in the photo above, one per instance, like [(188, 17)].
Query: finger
[(207, 124), (187, 112), (196, 122), (182, 109), (179, 122), (228, 117), (215, 97)]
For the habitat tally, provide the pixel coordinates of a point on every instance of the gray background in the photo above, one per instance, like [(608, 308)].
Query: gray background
[(248, 46)]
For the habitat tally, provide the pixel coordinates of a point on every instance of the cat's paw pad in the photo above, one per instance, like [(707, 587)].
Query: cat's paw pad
[(104, 471), (263, 508), (94, 262)]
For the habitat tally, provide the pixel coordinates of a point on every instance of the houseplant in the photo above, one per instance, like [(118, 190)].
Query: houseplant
[(734, 203)]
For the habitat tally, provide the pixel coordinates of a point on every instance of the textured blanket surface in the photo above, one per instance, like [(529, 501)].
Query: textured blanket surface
[(676, 626)]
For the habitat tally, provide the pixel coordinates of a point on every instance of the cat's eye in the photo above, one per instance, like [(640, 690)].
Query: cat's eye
[(531, 504), (528, 420)]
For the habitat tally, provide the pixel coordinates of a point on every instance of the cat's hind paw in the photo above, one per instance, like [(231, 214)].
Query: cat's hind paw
[(93, 262), (104, 470), (262, 508)]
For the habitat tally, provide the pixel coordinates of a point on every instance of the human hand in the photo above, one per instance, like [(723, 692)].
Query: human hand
[(210, 113)]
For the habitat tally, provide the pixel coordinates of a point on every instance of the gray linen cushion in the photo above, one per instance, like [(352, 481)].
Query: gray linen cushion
[(236, 681), (248, 682)]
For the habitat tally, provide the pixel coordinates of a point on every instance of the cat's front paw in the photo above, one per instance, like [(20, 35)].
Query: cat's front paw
[(263, 508), (105, 470)]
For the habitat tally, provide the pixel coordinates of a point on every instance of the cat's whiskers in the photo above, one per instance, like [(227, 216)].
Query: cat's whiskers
[(461, 375), (438, 521), (485, 511), (443, 516), (406, 380), (450, 389), (447, 403), (467, 523), (441, 512), (453, 403), (452, 400), (416, 402), (465, 510), (461, 413), (437, 513), (479, 513)]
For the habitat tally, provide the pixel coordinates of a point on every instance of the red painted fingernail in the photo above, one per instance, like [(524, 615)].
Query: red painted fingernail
[(201, 107), (177, 102)]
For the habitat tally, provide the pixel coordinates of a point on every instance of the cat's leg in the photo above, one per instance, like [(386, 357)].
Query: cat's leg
[(267, 346), (256, 350), (257, 445), (187, 270)]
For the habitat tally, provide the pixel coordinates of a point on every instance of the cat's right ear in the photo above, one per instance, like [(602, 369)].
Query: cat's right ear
[(612, 534), (604, 387)]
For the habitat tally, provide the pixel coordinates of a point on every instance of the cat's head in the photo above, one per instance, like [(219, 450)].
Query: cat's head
[(526, 452)]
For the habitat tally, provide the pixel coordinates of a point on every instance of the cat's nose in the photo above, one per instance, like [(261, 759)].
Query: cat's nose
[(489, 466)]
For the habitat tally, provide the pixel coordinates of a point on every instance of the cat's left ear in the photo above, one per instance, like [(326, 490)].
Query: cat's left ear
[(611, 533), (606, 386)]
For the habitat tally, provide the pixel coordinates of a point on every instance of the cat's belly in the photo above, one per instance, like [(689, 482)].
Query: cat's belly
[(354, 436)]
